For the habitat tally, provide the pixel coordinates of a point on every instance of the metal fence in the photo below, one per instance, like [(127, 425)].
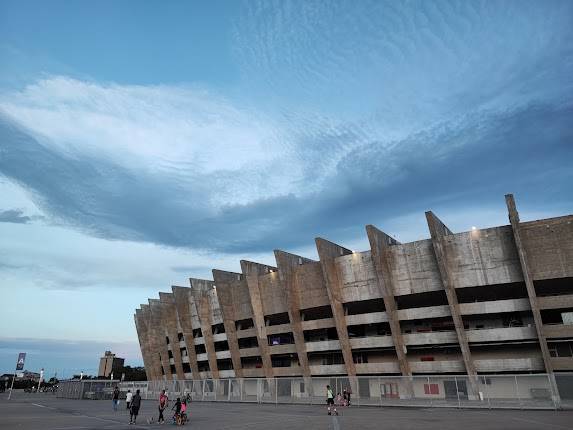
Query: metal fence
[(494, 391)]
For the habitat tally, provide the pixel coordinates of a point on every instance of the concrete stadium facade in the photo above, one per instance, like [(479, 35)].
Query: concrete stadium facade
[(494, 300)]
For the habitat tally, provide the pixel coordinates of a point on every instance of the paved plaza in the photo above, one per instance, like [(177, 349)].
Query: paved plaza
[(45, 412)]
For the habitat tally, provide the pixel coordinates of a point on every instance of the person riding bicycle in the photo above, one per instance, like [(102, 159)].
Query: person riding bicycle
[(177, 408)]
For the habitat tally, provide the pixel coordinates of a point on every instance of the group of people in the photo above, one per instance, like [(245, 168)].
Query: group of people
[(133, 402), (340, 399), (179, 408)]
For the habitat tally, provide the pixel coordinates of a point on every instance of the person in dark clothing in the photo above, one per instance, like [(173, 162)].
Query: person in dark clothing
[(134, 408), (115, 398), (177, 408)]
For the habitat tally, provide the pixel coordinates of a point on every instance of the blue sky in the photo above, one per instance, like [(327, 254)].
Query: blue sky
[(145, 142)]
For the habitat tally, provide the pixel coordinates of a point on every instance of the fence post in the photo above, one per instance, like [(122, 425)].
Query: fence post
[(430, 393), (457, 392), (517, 392)]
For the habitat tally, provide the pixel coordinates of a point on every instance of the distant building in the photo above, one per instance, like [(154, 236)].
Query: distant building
[(109, 364), (25, 376)]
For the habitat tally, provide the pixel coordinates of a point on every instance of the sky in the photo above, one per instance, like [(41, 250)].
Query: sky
[(143, 143)]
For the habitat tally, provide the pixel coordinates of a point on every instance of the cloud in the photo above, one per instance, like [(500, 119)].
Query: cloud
[(15, 216), (344, 116)]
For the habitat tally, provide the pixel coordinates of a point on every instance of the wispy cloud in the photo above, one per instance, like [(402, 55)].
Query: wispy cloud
[(15, 216)]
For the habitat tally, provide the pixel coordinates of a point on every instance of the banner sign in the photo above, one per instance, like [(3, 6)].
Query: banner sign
[(20, 363)]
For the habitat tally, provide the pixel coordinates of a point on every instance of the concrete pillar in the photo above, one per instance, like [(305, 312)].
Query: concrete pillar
[(380, 243), (159, 333), (225, 282), (439, 233), (200, 289), (327, 252), (172, 327), (143, 337), (154, 372), (287, 265), (183, 307), (522, 253), (251, 272)]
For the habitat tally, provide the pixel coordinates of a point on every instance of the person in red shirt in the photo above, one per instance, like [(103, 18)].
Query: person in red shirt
[(163, 401)]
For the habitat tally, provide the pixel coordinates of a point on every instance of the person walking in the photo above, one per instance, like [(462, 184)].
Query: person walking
[(134, 409), (128, 398), (348, 393), (163, 399), (330, 401), (115, 398)]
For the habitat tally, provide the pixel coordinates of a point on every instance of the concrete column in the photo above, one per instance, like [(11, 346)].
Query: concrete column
[(142, 336), (287, 265), (522, 253), (154, 372), (380, 243), (439, 233), (200, 291), (159, 333), (251, 272), (327, 252), (225, 282), (183, 307), (171, 322)]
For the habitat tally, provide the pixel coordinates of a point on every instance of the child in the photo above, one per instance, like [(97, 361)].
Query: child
[(177, 408), (339, 400), (183, 411)]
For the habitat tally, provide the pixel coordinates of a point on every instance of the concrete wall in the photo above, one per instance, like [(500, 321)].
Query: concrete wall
[(449, 261)]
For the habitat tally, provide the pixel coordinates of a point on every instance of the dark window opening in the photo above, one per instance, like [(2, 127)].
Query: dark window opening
[(183, 352), (225, 364), (203, 366), (553, 287), (277, 319), (186, 368), (180, 337), (218, 328), (244, 324), (197, 333), (364, 307), (283, 360), (557, 316), (320, 335), (172, 369), (365, 330), (486, 293), (248, 342), (200, 349), (560, 349), (421, 300), (360, 357), (251, 362), (167, 339), (222, 345), (281, 339), (170, 354), (318, 313)]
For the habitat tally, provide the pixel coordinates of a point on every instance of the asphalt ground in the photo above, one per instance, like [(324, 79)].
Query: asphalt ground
[(45, 412)]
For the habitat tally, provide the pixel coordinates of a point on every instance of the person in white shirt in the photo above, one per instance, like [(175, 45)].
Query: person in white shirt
[(128, 398)]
